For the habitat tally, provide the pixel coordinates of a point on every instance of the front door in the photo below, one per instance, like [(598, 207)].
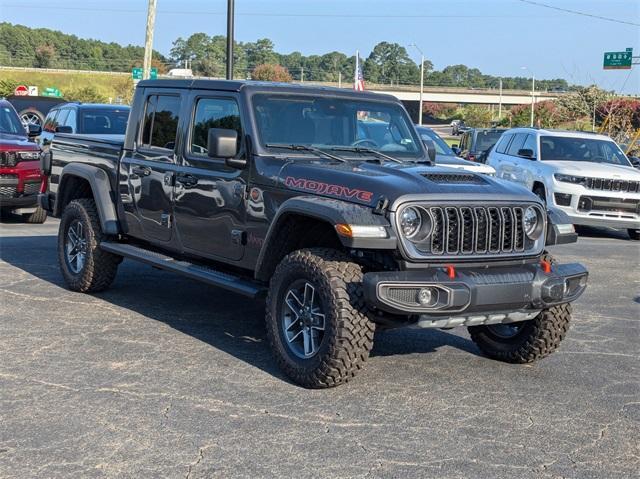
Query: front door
[(151, 167), (209, 202)]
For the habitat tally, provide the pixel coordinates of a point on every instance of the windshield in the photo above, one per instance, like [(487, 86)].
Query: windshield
[(329, 122), (486, 139), (104, 122), (441, 146), (557, 148), (10, 122)]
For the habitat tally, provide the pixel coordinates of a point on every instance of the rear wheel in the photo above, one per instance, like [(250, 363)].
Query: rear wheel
[(316, 318), (526, 341), (85, 267), (634, 234), (39, 216)]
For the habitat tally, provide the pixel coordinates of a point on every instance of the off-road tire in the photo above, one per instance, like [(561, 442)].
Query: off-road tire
[(348, 334), (634, 234), (100, 267), (38, 217), (538, 338)]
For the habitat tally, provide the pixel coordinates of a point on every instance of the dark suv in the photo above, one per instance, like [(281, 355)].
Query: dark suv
[(20, 176), (476, 143), (327, 202)]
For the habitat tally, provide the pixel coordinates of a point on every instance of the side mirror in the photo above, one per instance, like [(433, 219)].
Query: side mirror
[(526, 153), (456, 149), (34, 130), (64, 129), (431, 149), (223, 143), (635, 161)]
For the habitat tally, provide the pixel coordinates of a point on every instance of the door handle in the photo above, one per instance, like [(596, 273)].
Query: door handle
[(187, 180), (141, 170)]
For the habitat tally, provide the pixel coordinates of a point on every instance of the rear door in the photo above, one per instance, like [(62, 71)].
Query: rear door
[(523, 166), (511, 170), (150, 168), (209, 199)]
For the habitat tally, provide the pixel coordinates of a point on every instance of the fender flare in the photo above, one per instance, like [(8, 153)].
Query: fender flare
[(556, 217), (332, 212), (102, 194)]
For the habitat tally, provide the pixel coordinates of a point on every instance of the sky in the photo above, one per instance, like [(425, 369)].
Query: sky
[(497, 36)]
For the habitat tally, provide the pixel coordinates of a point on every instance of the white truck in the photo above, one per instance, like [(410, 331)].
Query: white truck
[(583, 174)]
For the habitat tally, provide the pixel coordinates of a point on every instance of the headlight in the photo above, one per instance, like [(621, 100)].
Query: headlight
[(410, 221), (533, 223), (576, 180), (12, 158)]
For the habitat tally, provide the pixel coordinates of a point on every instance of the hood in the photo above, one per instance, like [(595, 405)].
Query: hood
[(593, 169), (367, 183), (10, 142), (455, 162)]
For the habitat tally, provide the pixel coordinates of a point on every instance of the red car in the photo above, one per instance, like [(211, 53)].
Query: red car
[(20, 177)]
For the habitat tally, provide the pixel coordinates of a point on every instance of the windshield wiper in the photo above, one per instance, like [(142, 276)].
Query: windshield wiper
[(296, 147), (359, 149)]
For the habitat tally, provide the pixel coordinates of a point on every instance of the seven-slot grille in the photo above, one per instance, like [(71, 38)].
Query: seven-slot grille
[(604, 184), (458, 230)]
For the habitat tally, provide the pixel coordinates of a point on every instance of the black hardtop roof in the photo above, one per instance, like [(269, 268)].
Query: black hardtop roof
[(261, 86), (105, 106)]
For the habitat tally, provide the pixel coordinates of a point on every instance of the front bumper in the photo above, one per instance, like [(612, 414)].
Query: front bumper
[(20, 185), (473, 290)]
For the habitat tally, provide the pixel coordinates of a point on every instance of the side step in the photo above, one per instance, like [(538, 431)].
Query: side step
[(200, 273)]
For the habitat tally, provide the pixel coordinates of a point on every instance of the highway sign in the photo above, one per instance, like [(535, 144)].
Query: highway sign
[(618, 60), (51, 91), (21, 90), (138, 74)]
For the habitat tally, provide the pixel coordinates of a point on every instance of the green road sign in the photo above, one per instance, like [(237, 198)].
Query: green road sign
[(618, 60), (51, 91), (138, 73)]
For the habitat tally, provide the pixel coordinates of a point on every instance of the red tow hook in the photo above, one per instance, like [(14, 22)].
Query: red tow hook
[(451, 271), (546, 266)]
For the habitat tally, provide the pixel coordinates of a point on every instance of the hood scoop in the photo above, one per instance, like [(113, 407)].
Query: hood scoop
[(452, 178)]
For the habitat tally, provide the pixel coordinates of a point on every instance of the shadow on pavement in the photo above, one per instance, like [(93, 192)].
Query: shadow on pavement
[(226, 321), (598, 232)]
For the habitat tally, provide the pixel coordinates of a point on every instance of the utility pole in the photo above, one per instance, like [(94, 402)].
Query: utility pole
[(148, 42), (301, 74), (339, 79), (500, 104), (533, 96), (230, 15), (421, 82)]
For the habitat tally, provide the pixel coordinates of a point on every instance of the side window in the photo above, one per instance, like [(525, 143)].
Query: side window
[(50, 121), (463, 141), (213, 113), (516, 144), (501, 147), (161, 122), (530, 144), (71, 120)]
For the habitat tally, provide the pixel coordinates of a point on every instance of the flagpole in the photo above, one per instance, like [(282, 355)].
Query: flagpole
[(355, 72)]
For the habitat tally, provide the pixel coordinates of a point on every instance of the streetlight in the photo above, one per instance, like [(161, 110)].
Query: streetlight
[(533, 93), (421, 80)]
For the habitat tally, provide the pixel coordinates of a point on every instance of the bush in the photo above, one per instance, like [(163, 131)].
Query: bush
[(87, 94), (476, 116), (545, 115), (270, 72), (7, 87)]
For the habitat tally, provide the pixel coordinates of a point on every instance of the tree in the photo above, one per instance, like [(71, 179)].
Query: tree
[(270, 72), (545, 115), (477, 116), (581, 102), (261, 52), (7, 87), (390, 63), (44, 56)]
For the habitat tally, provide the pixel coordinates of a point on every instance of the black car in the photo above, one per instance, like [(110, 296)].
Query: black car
[(324, 201), (107, 121), (476, 143)]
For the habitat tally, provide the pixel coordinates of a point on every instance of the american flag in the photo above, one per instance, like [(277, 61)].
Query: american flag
[(358, 79)]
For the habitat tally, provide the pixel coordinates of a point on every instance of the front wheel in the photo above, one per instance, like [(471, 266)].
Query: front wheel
[(38, 217), (316, 318), (85, 267), (526, 341), (634, 234)]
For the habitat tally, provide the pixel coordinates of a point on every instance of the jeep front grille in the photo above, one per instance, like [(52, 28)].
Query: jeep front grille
[(604, 184), (474, 231)]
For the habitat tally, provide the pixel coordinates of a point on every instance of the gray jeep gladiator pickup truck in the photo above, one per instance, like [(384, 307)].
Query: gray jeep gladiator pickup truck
[(324, 201)]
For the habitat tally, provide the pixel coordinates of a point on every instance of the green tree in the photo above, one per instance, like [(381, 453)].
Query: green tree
[(390, 63), (476, 116), (44, 56)]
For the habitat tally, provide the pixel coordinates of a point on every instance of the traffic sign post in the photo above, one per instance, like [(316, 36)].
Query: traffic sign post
[(618, 60)]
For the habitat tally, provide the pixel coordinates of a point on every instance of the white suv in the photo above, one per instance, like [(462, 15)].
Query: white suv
[(585, 175)]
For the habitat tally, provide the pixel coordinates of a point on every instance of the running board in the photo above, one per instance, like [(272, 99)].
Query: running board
[(200, 273)]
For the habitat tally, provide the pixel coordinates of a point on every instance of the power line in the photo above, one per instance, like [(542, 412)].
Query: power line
[(576, 12), (260, 14)]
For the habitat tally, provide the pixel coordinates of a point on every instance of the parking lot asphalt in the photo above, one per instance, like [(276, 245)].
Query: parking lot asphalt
[(164, 377)]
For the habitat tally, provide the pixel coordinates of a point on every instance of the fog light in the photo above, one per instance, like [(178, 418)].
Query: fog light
[(427, 296), (553, 290), (563, 199)]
